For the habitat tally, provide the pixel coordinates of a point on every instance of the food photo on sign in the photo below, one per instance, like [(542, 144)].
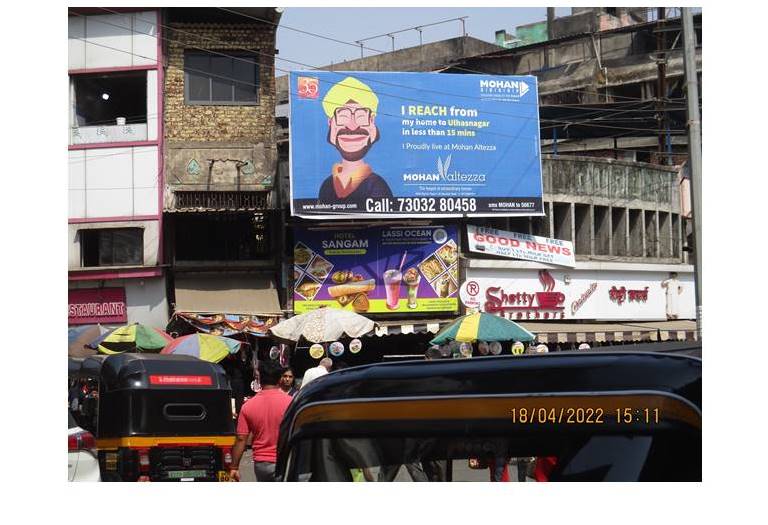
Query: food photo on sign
[(388, 269), (362, 146)]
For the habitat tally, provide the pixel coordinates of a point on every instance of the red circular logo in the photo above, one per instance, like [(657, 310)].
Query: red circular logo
[(473, 288)]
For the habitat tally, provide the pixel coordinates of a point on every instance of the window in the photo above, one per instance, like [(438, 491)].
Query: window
[(112, 247), (558, 456), (221, 80), (224, 237), (99, 100)]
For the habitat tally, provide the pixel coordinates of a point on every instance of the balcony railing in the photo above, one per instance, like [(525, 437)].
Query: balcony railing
[(617, 181)]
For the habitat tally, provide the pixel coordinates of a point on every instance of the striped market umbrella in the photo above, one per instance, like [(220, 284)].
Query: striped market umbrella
[(211, 348), (131, 338), (481, 326)]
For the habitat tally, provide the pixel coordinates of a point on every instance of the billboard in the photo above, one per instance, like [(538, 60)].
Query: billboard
[(386, 269), (372, 144), (520, 246), (526, 294)]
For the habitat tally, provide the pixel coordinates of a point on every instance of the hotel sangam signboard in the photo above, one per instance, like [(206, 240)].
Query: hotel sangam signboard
[(387, 269)]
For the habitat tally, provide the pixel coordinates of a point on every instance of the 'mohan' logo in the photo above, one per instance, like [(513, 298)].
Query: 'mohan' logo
[(504, 88), (443, 175)]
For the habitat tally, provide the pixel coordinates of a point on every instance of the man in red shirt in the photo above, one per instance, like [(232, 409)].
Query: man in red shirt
[(260, 417)]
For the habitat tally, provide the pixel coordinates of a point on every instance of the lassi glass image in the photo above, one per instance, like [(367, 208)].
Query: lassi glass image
[(392, 280), (412, 278)]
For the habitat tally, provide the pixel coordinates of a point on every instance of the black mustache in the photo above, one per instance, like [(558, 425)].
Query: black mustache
[(346, 131)]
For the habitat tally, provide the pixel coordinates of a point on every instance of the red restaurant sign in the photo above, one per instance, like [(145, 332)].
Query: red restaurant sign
[(97, 305)]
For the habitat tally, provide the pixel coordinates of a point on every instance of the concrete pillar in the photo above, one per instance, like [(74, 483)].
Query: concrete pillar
[(636, 245), (626, 231), (592, 233), (550, 214)]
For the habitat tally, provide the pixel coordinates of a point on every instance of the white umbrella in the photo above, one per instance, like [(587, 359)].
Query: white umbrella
[(323, 325)]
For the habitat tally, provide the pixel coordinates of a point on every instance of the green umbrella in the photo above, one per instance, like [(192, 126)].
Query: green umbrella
[(131, 338), (480, 326)]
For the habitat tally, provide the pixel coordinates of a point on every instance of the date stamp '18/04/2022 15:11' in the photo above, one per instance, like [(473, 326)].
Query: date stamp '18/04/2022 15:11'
[(585, 415)]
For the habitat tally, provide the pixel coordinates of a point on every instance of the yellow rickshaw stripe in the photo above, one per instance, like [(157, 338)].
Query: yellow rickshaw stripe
[(222, 441), (496, 408)]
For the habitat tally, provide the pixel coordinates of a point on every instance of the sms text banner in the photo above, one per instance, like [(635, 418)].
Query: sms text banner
[(520, 246), (373, 144)]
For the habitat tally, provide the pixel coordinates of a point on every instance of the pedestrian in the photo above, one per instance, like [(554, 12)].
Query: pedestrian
[(288, 382), (235, 368), (260, 419), (313, 373)]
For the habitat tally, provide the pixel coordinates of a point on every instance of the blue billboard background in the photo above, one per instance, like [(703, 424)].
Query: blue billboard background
[(440, 144)]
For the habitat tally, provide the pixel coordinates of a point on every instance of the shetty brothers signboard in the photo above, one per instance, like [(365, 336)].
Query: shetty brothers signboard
[(541, 295), (372, 144)]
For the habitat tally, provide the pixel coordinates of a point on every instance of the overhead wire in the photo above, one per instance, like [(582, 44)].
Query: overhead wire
[(459, 68), (228, 78), (269, 55), (562, 122), (274, 56)]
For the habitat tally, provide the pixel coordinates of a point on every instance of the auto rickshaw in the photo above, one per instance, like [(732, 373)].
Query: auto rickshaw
[(570, 416), (157, 417)]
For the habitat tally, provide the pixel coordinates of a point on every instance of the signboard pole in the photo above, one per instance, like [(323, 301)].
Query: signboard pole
[(694, 149)]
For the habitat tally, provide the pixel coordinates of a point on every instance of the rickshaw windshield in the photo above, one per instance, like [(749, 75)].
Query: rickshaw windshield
[(672, 453)]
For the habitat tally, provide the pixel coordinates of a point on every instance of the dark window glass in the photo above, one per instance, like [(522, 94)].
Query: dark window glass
[(246, 80), (100, 99), (112, 247), (230, 237), (216, 79), (198, 83)]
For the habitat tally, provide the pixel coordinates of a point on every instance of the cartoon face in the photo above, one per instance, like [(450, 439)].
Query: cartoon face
[(352, 130)]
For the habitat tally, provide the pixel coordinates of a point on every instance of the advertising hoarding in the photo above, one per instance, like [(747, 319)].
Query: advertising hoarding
[(387, 269), (373, 144), (541, 295), (520, 246)]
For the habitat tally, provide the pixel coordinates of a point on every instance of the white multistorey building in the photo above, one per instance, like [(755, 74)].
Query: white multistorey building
[(115, 167)]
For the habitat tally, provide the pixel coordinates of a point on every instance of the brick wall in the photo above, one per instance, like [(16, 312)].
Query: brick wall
[(252, 124)]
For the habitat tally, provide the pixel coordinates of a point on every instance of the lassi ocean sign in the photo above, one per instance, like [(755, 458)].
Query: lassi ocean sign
[(392, 269)]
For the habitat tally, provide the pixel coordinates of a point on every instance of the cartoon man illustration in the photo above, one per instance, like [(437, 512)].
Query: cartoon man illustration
[(351, 106), (673, 288)]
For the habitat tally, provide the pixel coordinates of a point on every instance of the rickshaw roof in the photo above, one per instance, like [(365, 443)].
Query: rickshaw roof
[(112, 370), (578, 372)]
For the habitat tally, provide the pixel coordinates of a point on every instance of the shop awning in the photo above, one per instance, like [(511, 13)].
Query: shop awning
[(226, 294), (421, 326), (681, 330)]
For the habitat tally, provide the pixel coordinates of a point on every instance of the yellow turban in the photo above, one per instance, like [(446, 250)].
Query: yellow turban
[(346, 90)]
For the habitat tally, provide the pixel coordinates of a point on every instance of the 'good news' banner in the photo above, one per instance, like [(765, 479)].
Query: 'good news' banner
[(414, 144)]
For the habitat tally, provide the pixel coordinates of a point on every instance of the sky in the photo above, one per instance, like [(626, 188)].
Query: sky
[(349, 24)]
